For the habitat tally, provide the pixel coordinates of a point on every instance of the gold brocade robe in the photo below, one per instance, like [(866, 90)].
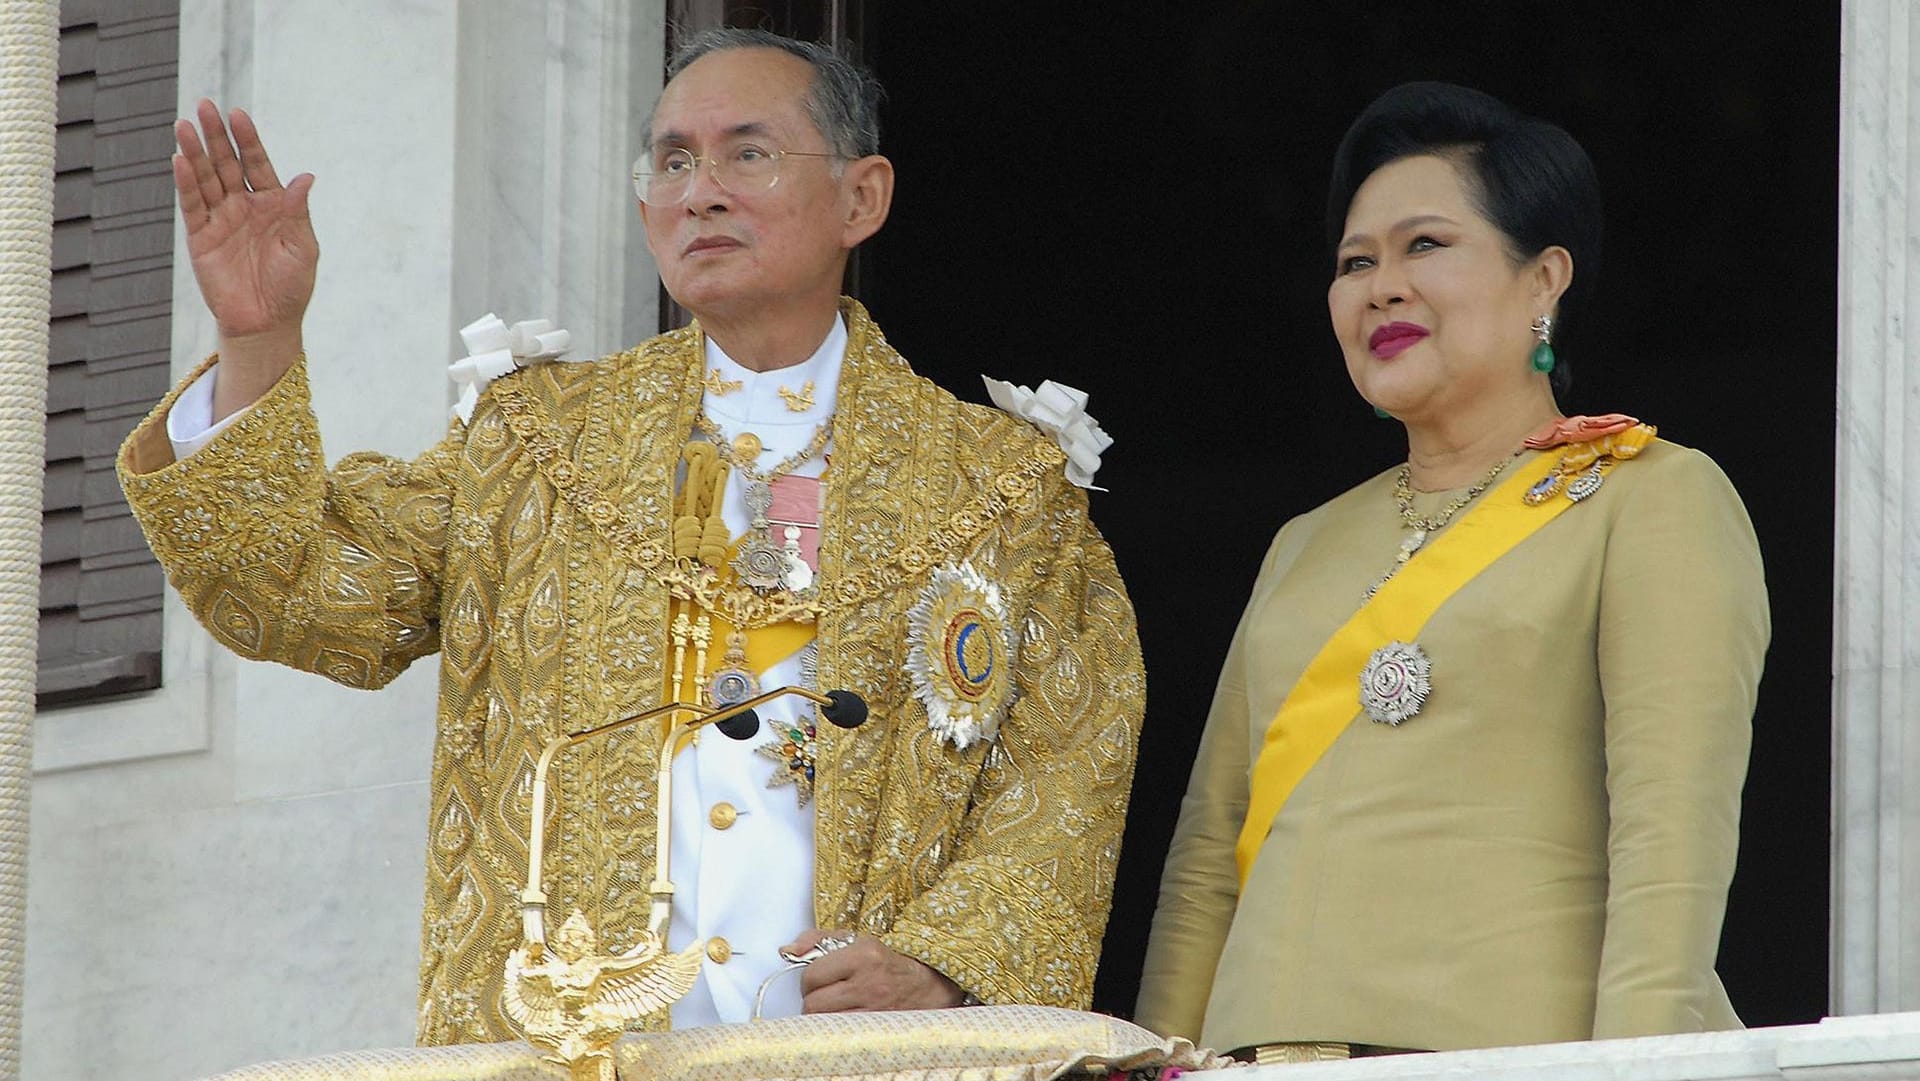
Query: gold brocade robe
[(534, 575)]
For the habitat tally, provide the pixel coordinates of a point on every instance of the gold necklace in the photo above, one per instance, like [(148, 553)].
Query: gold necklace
[(636, 541), (1423, 528), (743, 463), (762, 563)]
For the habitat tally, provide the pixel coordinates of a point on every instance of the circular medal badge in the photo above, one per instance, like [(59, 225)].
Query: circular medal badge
[(1395, 683), (961, 654), (731, 686)]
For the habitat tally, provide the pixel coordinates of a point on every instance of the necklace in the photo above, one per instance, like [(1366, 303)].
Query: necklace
[(1420, 529), (763, 562)]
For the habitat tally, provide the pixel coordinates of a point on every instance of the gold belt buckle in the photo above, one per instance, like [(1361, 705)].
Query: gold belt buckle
[(1276, 1054)]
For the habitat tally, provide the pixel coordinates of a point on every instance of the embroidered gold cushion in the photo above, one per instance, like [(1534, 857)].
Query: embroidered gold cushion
[(987, 1043)]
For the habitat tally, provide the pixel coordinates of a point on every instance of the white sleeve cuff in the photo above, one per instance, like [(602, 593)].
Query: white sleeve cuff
[(190, 423)]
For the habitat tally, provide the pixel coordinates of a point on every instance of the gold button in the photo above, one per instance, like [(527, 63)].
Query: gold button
[(747, 445), (722, 815), (718, 950)]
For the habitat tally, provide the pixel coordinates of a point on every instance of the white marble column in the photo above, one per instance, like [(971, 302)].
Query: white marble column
[(229, 869), (1876, 691), (552, 96)]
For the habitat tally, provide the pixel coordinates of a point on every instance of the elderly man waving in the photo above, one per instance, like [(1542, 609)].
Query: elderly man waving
[(767, 497)]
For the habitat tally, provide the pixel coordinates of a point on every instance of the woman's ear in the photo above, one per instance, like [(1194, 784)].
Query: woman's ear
[(1552, 273)]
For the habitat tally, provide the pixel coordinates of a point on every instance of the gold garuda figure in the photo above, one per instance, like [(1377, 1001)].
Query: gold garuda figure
[(567, 997), (576, 1001)]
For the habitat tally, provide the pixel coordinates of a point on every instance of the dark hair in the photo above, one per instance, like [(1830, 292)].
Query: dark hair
[(1528, 177), (843, 102)]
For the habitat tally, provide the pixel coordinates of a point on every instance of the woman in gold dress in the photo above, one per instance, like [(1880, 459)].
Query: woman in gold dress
[(1472, 772)]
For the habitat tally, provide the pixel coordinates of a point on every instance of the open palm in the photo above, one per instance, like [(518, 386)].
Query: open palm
[(250, 240)]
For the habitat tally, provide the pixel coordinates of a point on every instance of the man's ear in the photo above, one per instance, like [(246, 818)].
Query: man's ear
[(867, 187), (646, 227)]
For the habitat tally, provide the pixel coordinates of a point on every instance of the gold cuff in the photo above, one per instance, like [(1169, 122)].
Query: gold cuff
[(1274, 1054)]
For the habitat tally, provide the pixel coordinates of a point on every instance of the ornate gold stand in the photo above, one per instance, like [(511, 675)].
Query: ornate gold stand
[(570, 998)]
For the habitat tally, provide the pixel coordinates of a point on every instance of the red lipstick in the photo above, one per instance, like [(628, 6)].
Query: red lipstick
[(1395, 338)]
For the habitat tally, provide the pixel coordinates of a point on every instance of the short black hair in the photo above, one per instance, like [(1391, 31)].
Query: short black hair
[(1528, 177)]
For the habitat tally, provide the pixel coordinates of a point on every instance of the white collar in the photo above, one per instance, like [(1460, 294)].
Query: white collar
[(758, 403)]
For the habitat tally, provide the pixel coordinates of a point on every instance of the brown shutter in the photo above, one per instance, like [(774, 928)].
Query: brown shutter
[(100, 588)]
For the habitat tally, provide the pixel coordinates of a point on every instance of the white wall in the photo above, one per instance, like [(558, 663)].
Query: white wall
[(229, 869)]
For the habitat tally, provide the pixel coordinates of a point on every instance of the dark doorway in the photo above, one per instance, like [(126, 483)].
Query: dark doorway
[(1128, 198)]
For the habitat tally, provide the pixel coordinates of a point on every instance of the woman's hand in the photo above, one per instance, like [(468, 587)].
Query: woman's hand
[(252, 247)]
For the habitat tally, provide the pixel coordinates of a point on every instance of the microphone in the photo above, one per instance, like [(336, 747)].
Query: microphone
[(741, 726), (845, 709), (740, 721), (683, 721)]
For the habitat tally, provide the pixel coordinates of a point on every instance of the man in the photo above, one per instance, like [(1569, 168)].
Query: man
[(770, 497)]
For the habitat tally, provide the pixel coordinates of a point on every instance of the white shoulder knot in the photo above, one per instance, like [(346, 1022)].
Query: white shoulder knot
[(1061, 412), (494, 349)]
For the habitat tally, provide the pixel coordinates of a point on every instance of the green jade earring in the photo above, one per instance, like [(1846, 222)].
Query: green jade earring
[(1542, 357)]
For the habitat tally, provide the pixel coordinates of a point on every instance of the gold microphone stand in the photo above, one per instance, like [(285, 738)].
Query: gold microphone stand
[(570, 998)]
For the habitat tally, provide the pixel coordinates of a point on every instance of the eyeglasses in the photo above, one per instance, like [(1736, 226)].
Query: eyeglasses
[(664, 177)]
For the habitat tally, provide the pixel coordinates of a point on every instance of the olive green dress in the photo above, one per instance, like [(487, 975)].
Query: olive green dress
[(1543, 853)]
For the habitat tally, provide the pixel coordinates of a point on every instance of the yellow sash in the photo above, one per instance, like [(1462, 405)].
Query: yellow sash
[(766, 646), (1327, 697)]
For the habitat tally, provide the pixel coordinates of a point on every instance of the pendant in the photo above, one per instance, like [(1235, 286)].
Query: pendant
[(1587, 483), (1395, 683), (1409, 546), (759, 500), (798, 577), (1413, 542), (761, 564), (792, 750), (1543, 489), (733, 682)]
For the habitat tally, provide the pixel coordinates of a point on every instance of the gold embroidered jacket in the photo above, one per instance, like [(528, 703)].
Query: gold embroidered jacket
[(525, 547)]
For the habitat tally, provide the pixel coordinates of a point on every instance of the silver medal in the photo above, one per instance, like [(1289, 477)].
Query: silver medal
[(1586, 483), (761, 564), (759, 499), (1396, 682), (731, 686)]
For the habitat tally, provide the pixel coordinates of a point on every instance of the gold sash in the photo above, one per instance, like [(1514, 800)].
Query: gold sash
[(1327, 697)]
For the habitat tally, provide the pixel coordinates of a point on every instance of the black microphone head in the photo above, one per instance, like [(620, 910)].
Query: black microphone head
[(743, 725), (845, 709)]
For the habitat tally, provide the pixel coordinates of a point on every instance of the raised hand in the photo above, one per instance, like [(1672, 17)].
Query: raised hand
[(252, 247)]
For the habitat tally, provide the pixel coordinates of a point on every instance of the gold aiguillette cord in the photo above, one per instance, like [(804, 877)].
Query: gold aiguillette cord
[(700, 535)]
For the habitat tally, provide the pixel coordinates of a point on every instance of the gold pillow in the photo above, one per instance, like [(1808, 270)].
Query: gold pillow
[(980, 1043), (976, 1043), (461, 1062)]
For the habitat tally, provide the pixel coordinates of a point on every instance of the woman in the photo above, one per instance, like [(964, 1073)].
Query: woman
[(1473, 768)]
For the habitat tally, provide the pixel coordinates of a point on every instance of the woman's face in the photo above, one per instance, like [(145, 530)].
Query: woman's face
[(1431, 310)]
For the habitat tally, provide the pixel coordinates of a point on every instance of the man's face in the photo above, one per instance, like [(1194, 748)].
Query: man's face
[(724, 252)]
